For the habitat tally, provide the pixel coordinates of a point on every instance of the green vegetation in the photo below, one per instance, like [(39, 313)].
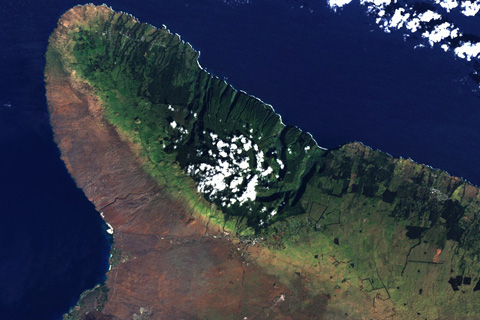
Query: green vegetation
[(90, 300), (375, 222)]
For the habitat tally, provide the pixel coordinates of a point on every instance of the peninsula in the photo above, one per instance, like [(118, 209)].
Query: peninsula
[(220, 211)]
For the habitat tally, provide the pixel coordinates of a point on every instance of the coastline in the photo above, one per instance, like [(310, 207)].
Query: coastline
[(165, 27), (280, 116)]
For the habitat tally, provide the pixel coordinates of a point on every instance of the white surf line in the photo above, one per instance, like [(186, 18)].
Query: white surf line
[(110, 228)]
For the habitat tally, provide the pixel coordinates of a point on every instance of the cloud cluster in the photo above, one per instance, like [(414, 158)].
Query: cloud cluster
[(430, 25)]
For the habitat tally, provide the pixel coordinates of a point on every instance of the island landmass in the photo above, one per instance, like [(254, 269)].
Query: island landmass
[(221, 211)]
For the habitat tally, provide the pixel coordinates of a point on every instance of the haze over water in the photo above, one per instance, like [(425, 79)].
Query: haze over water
[(336, 75)]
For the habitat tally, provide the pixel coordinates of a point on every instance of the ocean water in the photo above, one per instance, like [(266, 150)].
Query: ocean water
[(334, 74)]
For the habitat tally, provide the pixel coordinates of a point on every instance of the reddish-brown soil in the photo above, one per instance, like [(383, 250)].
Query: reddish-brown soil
[(174, 269)]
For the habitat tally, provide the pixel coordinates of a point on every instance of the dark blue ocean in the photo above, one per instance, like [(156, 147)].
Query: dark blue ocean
[(336, 75)]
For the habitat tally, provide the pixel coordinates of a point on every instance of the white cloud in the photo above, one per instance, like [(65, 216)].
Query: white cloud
[(280, 163), (470, 8), (230, 170), (398, 18), (440, 32), (376, 3), (468, 50), (408, 18), (429, 15), (334, 4), (413, 25), (447, 4), (250, 193)]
